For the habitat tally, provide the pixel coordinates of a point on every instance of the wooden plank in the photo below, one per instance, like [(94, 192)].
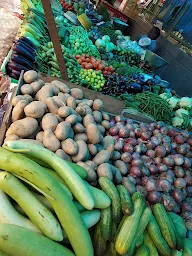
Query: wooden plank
[(55, 38)]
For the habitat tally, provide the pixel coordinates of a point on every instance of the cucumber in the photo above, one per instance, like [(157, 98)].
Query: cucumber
[(3, 253), (79, 207), (101, 200), (126, 202), (129, 228), (140, 240), (143, 250), (176, 253), (149, 243), (165, 225), (187, 247), (37, 212), (136, 195), (64, 207), (12, 236), (157, 238), (106, 223), (90, 218), (109, 188), (99, 243), (180, 229), (8, 214), (145, 218), (114, 228)]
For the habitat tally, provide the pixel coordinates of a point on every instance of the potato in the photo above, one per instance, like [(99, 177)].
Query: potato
[(27, 89), (46, 91), (78, 128), (88, 119), (93, 165), (33, 142), (110, 149), (63, 155), (106, 116), (102, 157), (108, 140), (104, 170), (28, 98), (50, 141), (80, 136), (92, 149), (88, 110), (73, 119), (39, 136), (18, 111), (98, 105), (12, 137), (81, 111), (60, 119), (59, 102), (117, 176), (106, 124), (64, 111), (99, 147), (62, 97), (23, 128), (97, 116), (41, 82), (93, 134), (116, 155), (91, 174), (83, 153), (77, 93), (30, 76), (71, 102), (33, 135), (49, 121), (35, 109), (18, 98), (62, 87), (101, 129), (51, 105), (121, 166), (70, 147), (36, 86), (64, 131)]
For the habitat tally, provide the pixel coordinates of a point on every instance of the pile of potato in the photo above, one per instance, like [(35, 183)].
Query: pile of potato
[(63, 121)]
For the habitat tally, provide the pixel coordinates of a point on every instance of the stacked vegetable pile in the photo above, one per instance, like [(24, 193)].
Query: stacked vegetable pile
[(158, 161), (40, 231)]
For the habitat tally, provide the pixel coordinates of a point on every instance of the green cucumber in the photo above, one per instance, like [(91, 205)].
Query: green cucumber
[(100, 244), (136, 195), (114, 228), (78, 169), (145, 218), (129, 228), (90, 218), (143, 250), (37, 212), (11, 237), (187, 247), (140, 240), (126, 202), (157, 238), (176, 253), (3, 253), (109, 188), (149, 243), (64, 207), (165, 225), (70, 177), (106, 223)]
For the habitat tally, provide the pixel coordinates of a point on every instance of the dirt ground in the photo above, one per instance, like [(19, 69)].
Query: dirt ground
[(11, 5)]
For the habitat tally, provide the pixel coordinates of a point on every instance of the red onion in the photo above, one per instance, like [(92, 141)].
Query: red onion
[(119, 145), (189, 191), (132, 134), (132, 141), (153, 169), (155, 140), (165, 175), (128, 148), (132, 179), (143, 148), (177, 208), (163, 185), (136, 155), (126, 157), (160, 151), (150, 184), (166, 139), (179, 172), (119, 124), (181, 149), (160, 124), (130, 127), (150, 153), (185, 134), (112, 122), (158, 160), (113, 130), (154, 197), (187, 163), (178, 159), (135, 171), (136, 162), (179, 139), (118, 119), (189, 154), (123, 132), (144, 180), (178, 195), (138, 132), (174, 145), (156, 132), (180, 183), (145, 171), (171, 132), (162, 168), (164, 130), (189, 141), (141, 190), (186, 207), (151, 145), (168, 161), (170, 174), (168, 147), (136, 125), (168, 202), (116, 137), (145, 136), (138, 148), (188, 178)]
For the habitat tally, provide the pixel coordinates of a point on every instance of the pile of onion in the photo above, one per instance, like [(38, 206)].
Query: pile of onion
[(158, 159)]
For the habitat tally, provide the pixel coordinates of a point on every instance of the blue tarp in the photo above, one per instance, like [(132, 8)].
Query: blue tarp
[(171, 11)]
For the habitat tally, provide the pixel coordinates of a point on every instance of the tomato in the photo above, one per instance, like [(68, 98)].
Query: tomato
[(88, 66), (100, 67), (95, 65), (83, 64), (105, 72), (79, 61), (87, 60)]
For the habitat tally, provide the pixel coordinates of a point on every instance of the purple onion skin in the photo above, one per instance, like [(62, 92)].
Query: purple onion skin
[(186, 207), (168, 161), (136, 162), (177, 208), (123, 132), (162, 168), (150, 184), (154, 197), (136, 155), (151, 145), (179, 172), (135, 171), (187, 163), (178, 195), (158, 160), (126, 157), (180, 183), (182, 149), (141, 190), (113, 130), (150, 153), (168, 202), (153, 169), (189, 191), (163, 185), (145, 171), (179, 139), (188, 178), (168, 147)]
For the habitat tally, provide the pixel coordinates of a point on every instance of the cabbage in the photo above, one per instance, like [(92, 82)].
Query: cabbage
[(118, 33), (106, 39), (165, 96), (173, 102), (181, 111), (177, 121), (100, 43), (186, 102)]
